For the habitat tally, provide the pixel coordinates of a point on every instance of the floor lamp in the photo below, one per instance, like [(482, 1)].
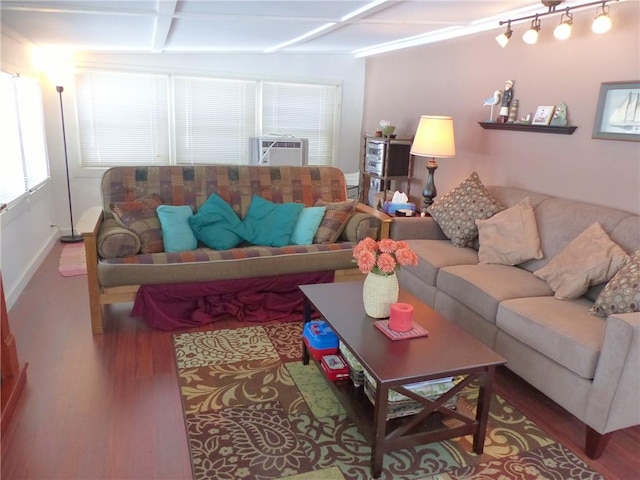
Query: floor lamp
[(434, 138), (73, 238)]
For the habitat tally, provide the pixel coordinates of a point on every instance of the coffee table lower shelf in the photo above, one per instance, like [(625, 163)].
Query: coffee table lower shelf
[(409, 431)]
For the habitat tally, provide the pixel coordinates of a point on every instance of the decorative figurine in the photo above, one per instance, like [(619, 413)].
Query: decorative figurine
[(513, 111), (560, 116), (526, 119), (507, 95), (492, 102)]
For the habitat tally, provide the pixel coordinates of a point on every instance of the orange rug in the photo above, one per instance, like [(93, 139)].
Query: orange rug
[(72, 260)]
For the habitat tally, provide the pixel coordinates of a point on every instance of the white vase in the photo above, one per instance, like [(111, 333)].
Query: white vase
[(378, 293)]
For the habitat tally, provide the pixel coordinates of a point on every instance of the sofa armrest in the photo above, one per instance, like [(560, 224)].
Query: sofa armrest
[(115, 241), (89, 226), (382, 218), (614, 400), (408, 228)]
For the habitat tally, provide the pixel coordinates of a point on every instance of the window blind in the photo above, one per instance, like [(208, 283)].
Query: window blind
[(304, 111), (123, 118), (143, 119), (25, 164), (34, 141), (213, 120)]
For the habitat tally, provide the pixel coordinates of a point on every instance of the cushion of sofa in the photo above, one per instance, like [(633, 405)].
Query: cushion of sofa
[(561, 330), (307, 225), (140, 217), (590, 258), (176, 231), (457, 211), (216, 224), (335, 219), (483, 287), (435, 254), (270, 224), (622, 292), (509, 237)]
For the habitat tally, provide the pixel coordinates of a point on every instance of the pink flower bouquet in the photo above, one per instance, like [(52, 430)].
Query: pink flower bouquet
[(383, 257)]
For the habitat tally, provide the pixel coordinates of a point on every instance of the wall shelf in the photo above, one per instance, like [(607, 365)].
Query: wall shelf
[(523, 127)]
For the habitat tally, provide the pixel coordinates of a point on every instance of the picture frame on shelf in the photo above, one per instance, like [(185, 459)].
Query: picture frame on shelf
[(543, 115), (618, 112)]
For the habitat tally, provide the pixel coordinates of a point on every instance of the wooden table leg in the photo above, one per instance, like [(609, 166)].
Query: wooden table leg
[(482, 409), (380, 430), (307, 318)]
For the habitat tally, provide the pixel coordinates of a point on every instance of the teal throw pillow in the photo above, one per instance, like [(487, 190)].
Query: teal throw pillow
[(216, 224), (307, 225), (270, 224), (176, 232)]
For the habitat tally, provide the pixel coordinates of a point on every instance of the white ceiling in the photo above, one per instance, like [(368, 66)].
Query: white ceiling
[(254, 26)]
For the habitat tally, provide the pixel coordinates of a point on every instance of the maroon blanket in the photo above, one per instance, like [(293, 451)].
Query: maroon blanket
[(185, 305)]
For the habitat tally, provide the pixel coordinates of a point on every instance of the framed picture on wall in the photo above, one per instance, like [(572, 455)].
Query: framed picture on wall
[(543, 115), (618, 112)]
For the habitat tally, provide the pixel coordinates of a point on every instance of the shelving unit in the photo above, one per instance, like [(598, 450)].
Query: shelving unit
[(523, 127), (393, 152)]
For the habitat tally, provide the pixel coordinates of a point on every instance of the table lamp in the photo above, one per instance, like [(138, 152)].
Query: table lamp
[(434, 138)]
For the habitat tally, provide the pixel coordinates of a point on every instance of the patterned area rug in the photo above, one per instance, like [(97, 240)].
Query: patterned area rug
[(253, 411), (72, 260)]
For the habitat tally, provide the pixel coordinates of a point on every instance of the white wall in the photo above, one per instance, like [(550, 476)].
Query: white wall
[(25, 233), (454, 77)]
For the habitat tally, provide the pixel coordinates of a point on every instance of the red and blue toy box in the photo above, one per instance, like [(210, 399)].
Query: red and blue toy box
[(319, 339)]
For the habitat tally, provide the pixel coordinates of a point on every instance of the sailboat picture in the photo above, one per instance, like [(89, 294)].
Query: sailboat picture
[(627, 115), (618, 112)]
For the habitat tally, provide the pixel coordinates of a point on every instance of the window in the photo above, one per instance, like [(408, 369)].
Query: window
[(24, 165), (214, 119), (140, 118), (123, 118), (304, 111)]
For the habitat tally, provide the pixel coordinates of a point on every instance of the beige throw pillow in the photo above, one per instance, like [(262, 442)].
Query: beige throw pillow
[(589, 259), (509, 237)]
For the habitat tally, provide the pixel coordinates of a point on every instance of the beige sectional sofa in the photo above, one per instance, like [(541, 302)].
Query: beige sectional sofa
[(120, 257), (590, 365)]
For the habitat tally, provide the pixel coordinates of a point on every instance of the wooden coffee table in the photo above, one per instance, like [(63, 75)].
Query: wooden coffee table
[(447, 351)]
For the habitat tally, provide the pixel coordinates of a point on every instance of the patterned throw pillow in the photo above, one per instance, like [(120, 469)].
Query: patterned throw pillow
[(140, 217), (622, 293), (458, 210), (334, 220)]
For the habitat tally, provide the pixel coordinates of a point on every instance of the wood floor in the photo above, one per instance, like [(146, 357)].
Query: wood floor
[(108, 406)]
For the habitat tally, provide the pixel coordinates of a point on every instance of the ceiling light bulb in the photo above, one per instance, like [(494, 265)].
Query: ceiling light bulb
[(503, 38), (531, 35), (602, 22), (563, 31)]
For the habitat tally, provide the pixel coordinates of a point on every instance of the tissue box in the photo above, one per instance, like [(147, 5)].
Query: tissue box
[(390, 208)]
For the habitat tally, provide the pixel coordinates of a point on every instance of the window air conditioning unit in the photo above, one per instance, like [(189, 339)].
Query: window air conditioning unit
[(277, 150)]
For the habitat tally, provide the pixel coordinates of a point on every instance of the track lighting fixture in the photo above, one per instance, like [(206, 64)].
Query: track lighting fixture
[(503, 38), (531, 35), (601, 23)]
